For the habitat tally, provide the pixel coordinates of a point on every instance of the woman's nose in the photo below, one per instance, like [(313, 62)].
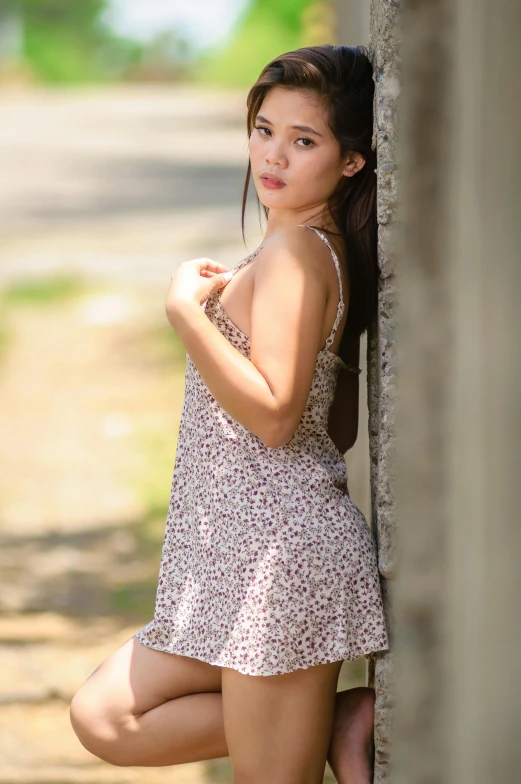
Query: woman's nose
[(276, 153)]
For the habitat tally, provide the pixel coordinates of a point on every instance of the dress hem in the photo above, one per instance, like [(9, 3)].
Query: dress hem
[(367, 652)]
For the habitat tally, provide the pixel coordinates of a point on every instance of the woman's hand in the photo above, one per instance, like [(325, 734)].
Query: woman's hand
[(192, 284)]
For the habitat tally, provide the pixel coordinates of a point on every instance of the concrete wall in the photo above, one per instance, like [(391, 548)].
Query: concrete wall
[(457, 630), (381, 357)]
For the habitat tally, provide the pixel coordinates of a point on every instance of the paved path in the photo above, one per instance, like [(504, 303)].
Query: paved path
[(121, 182)]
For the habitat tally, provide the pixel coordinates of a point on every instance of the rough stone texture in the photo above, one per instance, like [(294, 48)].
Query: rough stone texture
[(381, 360)]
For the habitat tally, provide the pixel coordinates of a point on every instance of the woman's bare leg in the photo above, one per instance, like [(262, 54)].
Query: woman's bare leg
[(351, 749), (150, 708), (278, 727)]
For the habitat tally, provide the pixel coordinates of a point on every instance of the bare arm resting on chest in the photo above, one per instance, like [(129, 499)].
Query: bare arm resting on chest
[(268, 392)]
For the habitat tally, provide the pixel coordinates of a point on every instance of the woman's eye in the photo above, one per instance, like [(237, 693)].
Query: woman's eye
[(261, 128)]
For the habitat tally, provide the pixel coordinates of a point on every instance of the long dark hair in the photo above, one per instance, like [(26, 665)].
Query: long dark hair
[(342, 77)]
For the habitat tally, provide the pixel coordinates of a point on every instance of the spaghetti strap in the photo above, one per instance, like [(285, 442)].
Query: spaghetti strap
[(246, 260), (341, 307)]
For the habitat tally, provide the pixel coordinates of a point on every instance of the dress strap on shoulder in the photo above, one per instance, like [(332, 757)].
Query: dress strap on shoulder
[(341, 307), (247, 259)]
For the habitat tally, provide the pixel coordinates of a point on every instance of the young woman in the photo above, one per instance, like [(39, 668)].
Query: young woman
[(268, 577)]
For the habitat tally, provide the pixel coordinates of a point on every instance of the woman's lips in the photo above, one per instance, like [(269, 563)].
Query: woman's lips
[(272, 184)]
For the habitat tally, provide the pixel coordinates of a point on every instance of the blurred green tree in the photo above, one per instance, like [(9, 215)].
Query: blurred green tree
[(266, 29), (67, 42)]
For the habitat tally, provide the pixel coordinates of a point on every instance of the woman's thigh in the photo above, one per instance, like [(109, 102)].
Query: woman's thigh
[(278, 727), (135, 679)]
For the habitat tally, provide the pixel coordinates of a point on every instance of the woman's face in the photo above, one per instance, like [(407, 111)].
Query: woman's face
[(306, 159)]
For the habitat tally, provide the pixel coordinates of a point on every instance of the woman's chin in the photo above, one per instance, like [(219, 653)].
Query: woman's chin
[(273, 199)]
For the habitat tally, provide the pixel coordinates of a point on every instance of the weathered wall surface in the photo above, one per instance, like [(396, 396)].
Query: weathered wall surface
[(381, 355)]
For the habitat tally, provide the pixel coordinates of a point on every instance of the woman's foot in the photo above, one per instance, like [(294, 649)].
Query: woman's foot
[(351, 749)]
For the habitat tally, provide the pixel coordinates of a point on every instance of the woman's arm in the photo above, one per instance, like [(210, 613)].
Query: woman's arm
[(235, 383), (343, 415), (267, 393)]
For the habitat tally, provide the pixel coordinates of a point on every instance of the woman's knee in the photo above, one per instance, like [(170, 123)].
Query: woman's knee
[(99, 729)]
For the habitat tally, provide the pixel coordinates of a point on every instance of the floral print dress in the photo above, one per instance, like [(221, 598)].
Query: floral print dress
[(267, 565)]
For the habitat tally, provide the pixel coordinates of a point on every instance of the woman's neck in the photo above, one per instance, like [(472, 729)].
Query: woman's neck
[(278, 221)]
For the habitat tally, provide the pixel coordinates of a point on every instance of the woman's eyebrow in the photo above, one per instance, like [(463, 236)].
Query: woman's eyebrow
[(305, 128)]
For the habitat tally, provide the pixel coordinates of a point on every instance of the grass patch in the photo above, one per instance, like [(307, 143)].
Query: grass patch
[(134, 601), (155, 478), (44, 291), (219, 770), (161, 347), (36, 292), (160, 351)]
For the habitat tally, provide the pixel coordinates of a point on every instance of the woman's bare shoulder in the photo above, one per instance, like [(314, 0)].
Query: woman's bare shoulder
[(296, 245)]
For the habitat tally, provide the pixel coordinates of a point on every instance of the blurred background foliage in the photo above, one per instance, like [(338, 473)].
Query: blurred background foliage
[(267, 29), (63, 42)]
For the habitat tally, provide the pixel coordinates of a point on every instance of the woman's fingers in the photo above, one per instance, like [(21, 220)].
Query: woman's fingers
[(210, 265)]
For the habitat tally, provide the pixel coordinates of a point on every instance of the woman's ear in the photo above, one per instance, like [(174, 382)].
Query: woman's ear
[(353, 164)]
